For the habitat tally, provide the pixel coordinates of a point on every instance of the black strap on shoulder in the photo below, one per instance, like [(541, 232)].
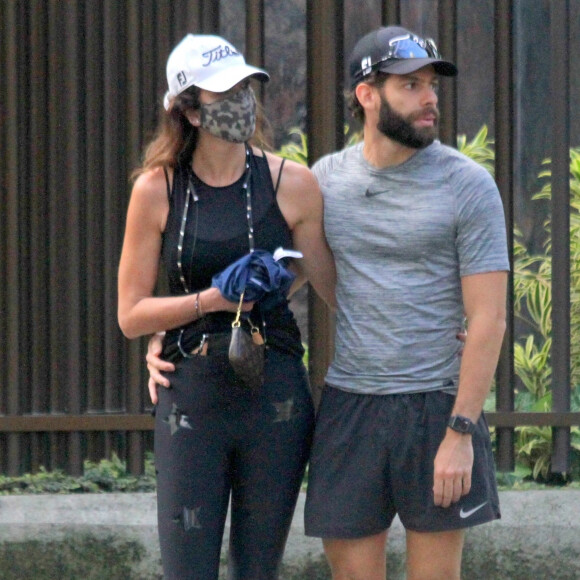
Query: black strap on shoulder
[(279, 176), (167, 181)]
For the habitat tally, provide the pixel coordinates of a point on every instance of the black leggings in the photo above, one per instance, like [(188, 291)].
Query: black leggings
[(213, 437)]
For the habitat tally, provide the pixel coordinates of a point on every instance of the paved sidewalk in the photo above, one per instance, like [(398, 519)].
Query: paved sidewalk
[(81, 537)]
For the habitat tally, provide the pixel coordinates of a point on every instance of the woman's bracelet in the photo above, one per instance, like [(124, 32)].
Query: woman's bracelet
[(198, 310)]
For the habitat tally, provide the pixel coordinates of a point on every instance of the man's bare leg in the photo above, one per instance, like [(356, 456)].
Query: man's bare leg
[(357, 559), (434, 555)]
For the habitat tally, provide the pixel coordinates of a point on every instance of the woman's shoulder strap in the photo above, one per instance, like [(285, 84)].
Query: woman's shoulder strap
[(279, 176), (166, 173)]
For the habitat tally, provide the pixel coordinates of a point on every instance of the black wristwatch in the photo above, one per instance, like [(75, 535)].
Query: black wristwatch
[(461, 424)]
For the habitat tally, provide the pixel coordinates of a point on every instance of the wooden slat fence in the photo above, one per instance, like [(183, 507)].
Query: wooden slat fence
[(79, 95)]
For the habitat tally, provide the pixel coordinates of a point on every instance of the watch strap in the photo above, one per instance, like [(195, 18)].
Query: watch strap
[(461, 424)]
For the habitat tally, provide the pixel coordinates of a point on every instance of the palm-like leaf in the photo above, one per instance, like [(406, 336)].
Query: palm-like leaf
[(480, 148)]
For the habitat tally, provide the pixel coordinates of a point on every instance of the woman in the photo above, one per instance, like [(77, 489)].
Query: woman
[(203, 199)]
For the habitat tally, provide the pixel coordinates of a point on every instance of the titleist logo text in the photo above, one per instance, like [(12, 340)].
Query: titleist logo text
[(218, 53)]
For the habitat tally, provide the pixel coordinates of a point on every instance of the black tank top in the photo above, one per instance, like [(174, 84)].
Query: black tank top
[(216, 235)]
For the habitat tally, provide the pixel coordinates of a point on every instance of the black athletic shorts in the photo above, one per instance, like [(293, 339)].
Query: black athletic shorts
[(373, 458)]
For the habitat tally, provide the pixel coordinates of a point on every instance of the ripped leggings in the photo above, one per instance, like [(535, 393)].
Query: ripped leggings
[(213, 438)]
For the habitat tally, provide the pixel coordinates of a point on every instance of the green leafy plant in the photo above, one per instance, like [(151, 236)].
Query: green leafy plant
[(296, 149), (545, 267), (480, 148), (533, 305), (534, 371), (533, 308), (104, 476)]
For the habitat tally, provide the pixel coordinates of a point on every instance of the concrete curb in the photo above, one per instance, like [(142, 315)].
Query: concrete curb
[(74, 537)]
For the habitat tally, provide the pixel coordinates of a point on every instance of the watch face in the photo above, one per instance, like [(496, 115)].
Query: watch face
[(461, 424)]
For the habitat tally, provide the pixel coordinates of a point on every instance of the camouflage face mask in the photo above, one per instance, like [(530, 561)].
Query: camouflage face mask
[(232, 118)]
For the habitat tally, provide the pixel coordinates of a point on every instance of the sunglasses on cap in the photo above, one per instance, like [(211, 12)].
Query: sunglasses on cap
[(402, 47)]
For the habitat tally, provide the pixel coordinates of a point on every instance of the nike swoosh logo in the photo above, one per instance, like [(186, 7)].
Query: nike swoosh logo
[(465, 514), (370, 193)]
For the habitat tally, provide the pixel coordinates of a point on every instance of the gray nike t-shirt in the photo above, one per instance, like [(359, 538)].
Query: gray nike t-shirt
[(402, 238)]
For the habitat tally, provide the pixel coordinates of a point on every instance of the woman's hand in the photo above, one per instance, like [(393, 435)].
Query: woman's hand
[(212, 300)]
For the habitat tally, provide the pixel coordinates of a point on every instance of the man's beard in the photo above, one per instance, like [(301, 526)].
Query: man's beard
[(401, 129)]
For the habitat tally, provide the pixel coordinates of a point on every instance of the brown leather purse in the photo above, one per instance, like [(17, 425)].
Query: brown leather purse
[(246, 352)]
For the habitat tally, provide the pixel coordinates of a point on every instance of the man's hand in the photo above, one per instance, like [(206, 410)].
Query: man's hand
[(155, 364), (453, 465)]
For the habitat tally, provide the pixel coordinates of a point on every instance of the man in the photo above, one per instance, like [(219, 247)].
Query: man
[(418, 235)]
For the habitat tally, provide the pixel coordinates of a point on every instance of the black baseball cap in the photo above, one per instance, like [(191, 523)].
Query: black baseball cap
[(395, 50)]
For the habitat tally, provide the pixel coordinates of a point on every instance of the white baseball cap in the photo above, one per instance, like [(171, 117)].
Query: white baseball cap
[(208, 62)]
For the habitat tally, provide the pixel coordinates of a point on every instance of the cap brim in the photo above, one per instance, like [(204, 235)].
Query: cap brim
[(231, 76), (406, 66)]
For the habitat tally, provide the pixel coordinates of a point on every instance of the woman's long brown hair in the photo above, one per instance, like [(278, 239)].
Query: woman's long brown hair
[(175, 138)]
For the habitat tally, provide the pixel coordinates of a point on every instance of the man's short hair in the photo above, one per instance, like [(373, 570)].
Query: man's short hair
[(376, 79)]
